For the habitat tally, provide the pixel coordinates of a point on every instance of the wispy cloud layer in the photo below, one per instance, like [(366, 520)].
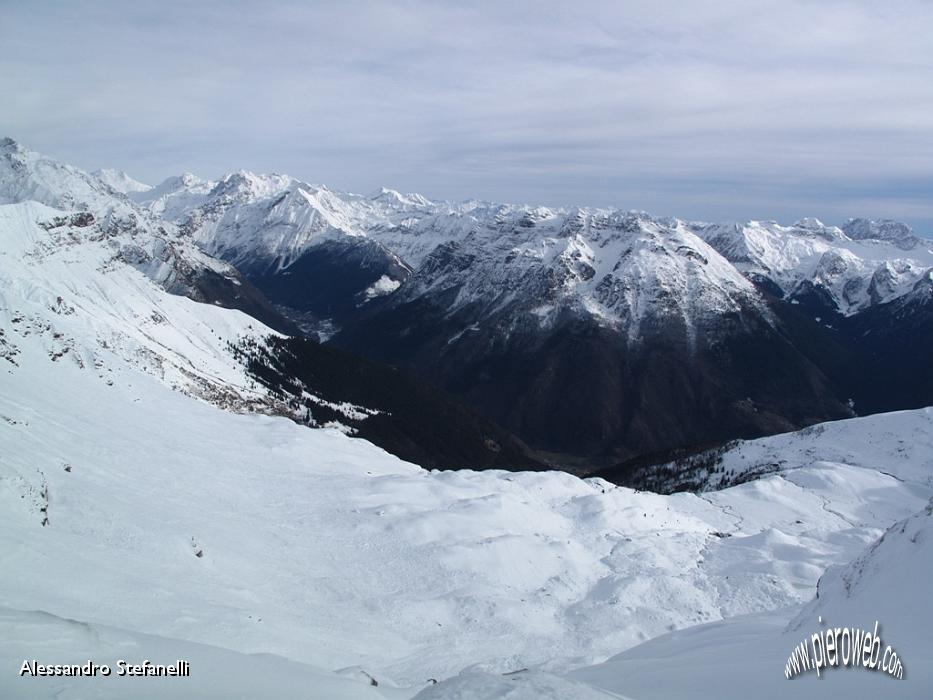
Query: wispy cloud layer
[(719, 110)]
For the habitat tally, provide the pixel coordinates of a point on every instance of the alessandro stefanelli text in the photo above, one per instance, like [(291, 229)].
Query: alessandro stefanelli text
[(180, 668)]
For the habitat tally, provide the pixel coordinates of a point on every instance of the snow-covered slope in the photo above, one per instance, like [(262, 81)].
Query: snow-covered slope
[(216, 673), (887, 583), (94, 211), (74, 293), (328, 551), (745, 657), (73, 251), (898, 443)]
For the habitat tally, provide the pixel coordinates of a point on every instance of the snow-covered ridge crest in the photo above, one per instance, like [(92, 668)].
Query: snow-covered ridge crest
[(277, 218), (868, 581), (861, 264), (613, 265), (73, 251), (901, 440), (70, 294), (26, 175), (141, 238), (120, 181)]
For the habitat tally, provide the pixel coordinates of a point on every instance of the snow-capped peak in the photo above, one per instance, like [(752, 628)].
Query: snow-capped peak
[(27, 175), (177, 183), (120, 181), (135, 235), (174, 194), (274, 219), (248, 186), (817, 227), (884, 230), (394, 197)]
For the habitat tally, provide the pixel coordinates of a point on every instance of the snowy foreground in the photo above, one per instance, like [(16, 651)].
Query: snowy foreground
[(141, 520)]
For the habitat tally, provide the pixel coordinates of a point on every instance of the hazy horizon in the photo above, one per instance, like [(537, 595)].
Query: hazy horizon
[(722, 112)]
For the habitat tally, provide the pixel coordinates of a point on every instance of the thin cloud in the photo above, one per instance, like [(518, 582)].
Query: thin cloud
[(716, 110)]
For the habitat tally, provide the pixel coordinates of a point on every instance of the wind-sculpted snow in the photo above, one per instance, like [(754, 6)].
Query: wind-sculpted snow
[(745, 657), (887, 582)]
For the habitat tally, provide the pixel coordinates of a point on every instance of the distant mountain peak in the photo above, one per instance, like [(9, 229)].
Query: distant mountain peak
[(387, 194), (898, 233), (120, 181)]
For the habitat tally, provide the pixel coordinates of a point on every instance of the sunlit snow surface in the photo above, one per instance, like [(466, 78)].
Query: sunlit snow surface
[(118, 468), (614, 265), (744, 657)]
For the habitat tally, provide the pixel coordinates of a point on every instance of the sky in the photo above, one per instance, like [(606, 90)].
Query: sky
[(718, 110)]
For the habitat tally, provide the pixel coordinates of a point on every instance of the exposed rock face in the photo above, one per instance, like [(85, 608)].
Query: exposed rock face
[(595, 334)]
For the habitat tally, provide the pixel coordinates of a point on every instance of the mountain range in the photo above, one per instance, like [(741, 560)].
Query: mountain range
[(163, 493), (103, 230), (594, 335)]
